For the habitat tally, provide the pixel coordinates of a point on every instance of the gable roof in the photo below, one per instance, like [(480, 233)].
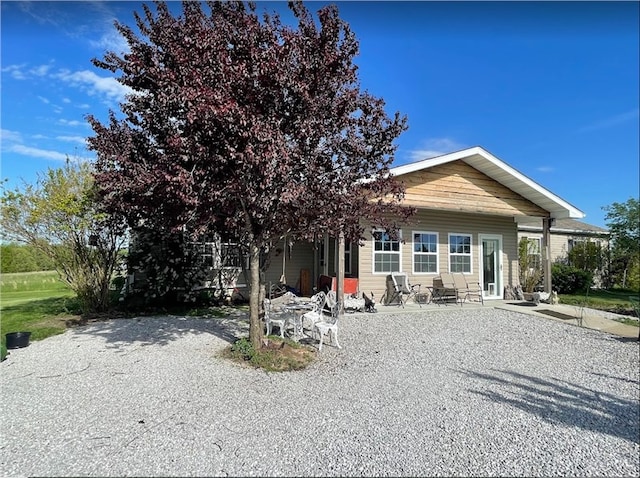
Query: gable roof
[(501, 172), (566, 226)]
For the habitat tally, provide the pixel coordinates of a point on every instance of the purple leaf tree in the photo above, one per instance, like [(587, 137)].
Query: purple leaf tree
[(240, 123)]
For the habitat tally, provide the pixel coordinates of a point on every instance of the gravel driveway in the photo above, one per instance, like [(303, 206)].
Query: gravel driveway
[(441, 393)]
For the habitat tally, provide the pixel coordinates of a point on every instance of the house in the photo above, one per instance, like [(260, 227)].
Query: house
[(565, 234), (470, 205)]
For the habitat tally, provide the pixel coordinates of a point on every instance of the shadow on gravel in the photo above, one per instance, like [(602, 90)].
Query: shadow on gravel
[(561, 402), (161, 330)]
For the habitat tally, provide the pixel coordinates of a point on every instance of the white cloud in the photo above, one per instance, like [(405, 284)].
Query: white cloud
[(94, 84), (44, 100), (545, 169), (37, 152), (10, 136), (12, 142), (433, 147), (16, 71), (66, 100), (41, 70), (612, 121), (111, 41), (73, 139), (66, 122), (23, 72)]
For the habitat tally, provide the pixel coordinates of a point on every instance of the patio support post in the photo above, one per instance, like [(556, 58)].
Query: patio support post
[(547, 222), (340, 275)]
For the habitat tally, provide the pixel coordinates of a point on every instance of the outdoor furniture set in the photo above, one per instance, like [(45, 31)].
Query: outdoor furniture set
[(446, 287), (318, 314)]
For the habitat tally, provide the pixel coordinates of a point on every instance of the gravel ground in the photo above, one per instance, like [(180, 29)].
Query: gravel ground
[(441, 393)]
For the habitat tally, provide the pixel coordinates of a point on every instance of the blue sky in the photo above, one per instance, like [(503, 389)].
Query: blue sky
[(551, 88)]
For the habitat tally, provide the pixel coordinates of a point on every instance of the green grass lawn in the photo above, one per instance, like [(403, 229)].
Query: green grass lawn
[(36, 302), (615, 300)]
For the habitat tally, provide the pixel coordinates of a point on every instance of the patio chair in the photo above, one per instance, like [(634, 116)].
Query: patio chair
[(402, 287), (451, 289), (464, 291), (329, 323), (315, 315), (272, 317), (474, 290)]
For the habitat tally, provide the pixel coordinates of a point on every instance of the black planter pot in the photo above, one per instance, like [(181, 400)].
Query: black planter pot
[(17, 340)]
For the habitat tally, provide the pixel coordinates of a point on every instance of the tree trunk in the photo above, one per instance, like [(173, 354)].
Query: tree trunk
[(255, 326)]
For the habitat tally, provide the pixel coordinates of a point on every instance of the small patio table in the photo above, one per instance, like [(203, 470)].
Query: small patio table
[(297, 310)]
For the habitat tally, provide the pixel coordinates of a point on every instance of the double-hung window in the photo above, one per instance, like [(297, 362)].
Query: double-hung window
[(425, 252), (534, 256), (460, 253), (386, 253)]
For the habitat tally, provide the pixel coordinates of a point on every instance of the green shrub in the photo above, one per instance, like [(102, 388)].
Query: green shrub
[(276, 355), (243, 348), (566, 279)]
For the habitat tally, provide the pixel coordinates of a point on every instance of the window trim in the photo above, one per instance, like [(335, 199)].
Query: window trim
[(535, 251), (449, 253), (414, 253), (347, 257), (373, 251)]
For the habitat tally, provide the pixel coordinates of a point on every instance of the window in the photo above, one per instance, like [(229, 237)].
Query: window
[(534, 257), (425, 252), (459, 253), (347, 258), (386, 253), (574, 242), (231, 255), (215, 253)]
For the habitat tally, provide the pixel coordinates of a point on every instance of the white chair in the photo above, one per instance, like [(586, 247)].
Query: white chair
[(314, 315), (329, 324), (272, 318), (403, 287)]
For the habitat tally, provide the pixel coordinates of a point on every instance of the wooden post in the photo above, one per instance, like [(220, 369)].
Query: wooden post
[(340, 275), (547, 222)]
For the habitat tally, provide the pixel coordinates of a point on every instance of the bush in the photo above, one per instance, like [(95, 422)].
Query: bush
[(566, 279), (243, 348)]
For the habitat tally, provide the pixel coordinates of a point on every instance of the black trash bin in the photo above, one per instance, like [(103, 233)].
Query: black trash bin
[(17, 340)]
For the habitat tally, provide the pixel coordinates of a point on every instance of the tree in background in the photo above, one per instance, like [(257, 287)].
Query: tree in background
[(624, 225), (591, 257), (57, 216), (23, 258), (239, 124)]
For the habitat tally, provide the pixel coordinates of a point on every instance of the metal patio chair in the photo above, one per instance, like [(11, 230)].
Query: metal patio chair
[(403, 288)]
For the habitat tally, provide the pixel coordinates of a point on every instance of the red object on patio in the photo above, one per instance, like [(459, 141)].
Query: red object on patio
[(350, 284)]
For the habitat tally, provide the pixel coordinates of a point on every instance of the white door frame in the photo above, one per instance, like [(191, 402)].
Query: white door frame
[(494, 291)]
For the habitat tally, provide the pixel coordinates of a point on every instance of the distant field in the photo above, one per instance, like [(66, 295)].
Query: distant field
[(36, 302), (27, 286)]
